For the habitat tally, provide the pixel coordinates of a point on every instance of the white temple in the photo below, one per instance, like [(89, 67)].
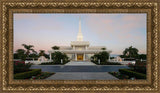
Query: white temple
[(79, 50)]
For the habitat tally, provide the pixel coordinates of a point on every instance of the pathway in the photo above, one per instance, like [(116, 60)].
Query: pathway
[(80, 71), (82, 76)]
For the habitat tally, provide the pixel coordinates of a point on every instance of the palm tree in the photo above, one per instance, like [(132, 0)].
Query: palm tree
[(55, 48), (33, 55), (130, 52), (41, 53), (28, 49), (34, 52)]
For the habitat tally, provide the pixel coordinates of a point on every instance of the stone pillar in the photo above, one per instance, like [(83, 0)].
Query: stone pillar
[(74, 48), (50, 56), (84, 57), (86, 47), (75, 56), (61, 61), (99, 61)]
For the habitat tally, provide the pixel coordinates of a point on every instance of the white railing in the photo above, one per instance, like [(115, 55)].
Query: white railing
[(123, 62), (37, 62)]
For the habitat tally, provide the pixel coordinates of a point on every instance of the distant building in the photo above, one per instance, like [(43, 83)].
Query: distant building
[(118, 59), (79, 50), (42, 58)]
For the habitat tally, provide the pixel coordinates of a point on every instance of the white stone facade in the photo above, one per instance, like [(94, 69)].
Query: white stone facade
[(79, 50)]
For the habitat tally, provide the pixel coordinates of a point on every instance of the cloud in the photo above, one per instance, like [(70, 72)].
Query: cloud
[(120, 29)]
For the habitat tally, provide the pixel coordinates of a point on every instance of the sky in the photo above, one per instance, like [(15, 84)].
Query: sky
[(115, 31)]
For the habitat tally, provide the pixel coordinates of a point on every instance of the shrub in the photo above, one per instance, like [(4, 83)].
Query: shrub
[(112, 63), (131, 65), (20, 66), (57, 56), (118, 75), (47, 63), (132, 74), (138, 67), (43, 75), (28, 74), (52, 63), (102, 56), (108, 63)]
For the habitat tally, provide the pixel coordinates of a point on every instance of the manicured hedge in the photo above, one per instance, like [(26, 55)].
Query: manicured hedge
[(132, 74), (52, 63), (28, 74), (47, 63), (108, 63)]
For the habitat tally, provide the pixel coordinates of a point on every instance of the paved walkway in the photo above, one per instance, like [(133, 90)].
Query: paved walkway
[(80, 71), (79, 63), (82, 76)]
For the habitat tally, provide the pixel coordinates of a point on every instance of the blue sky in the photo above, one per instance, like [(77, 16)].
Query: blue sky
[(115, 31)]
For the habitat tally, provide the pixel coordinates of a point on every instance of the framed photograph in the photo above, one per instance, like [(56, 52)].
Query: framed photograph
[(79, 46)]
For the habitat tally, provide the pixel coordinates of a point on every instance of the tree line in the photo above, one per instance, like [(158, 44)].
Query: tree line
[(29, 53), (129, 53)]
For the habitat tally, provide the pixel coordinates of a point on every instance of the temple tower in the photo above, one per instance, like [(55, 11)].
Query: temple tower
[(79, 36)]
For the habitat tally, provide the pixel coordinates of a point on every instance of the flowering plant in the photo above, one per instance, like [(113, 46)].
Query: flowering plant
[(20, 66), (138, 67), (131, 65)]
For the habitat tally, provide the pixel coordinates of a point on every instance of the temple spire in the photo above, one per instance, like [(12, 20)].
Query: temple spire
[(79, 36)]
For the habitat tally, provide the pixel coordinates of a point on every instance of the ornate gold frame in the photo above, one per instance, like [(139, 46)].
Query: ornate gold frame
[(8, 7)]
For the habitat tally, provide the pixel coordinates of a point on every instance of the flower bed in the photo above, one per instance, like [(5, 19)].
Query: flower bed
[(132, 74), (42, 75), (138, 67), (108, 63), (52, 63), (136, 71), (118, 75), (28, 74), (20, 66)]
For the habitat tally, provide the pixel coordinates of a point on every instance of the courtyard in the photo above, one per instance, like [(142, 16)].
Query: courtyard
[(76, 71)]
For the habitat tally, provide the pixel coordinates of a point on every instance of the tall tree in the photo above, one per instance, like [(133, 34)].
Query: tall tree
[(130, 52), (41, 53), (142, 56), (28, 49), (21, 54), (33, 54), (55, 47), (57, 56), (102, 56)]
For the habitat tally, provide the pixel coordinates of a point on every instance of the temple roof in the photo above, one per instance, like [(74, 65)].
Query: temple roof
[(79, 43)]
